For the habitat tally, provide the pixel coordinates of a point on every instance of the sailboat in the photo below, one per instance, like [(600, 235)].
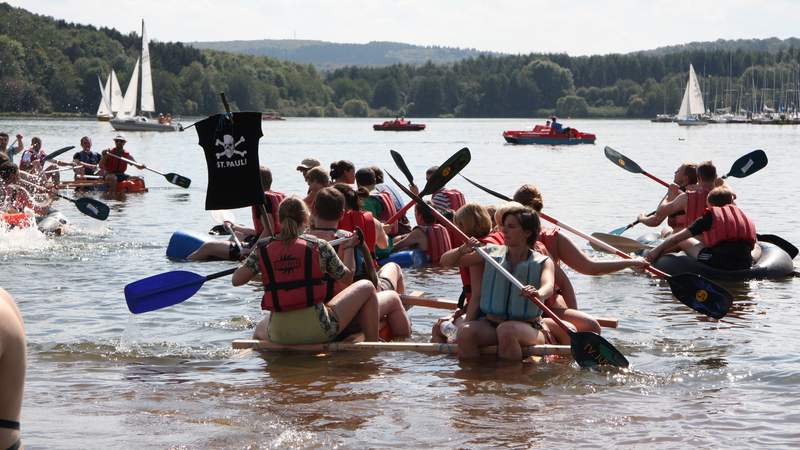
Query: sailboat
[(129, 117), (110, 97), (692, 106)]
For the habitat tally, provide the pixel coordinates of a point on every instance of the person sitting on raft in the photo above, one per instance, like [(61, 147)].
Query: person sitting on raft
[(727, 236), (428, 236), (298, 271), (500, 314), (343, 172), (354, 217), (316, 178), (474, 220), (227, 250), (272, 199), (328, 211), (114, 168), (403, 225), (380, 204), (685, 178), (86, 161), (691, 203)]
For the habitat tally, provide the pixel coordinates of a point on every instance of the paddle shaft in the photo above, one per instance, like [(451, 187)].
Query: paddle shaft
[(130, 161)]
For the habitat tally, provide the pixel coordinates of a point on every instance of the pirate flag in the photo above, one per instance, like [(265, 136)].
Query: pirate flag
[(230, 143)]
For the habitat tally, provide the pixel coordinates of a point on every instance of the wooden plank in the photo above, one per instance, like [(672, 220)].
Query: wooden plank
[(423, 347), (417, 299)]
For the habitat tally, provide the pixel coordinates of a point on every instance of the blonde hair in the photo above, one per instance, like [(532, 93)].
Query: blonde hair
[(530, 196), (473, 220), (293, 215), (721, 196), (502, 209)]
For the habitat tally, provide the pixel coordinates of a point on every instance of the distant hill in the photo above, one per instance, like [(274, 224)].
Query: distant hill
[(770, 45), (330, 55)]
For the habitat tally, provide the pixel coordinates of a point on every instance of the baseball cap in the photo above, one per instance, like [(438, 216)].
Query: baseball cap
[(308, 163)]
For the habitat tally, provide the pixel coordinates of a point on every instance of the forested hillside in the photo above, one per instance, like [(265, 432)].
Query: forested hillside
[(49, 65)]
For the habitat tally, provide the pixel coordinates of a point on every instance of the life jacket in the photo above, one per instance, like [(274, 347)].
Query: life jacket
[(336, 235), (494, 237), (388, 210), (274, 200), (116, 165), (353, 219), (696, 204), (499, 297), (729, 224), (547, 243), (438, 241), (291, 275), (448, 199)]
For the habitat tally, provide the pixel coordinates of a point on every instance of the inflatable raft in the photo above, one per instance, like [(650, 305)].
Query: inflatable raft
[(132, 185), (774, 263)]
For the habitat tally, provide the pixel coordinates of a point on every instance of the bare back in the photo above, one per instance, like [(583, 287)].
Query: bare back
[(12, 366)]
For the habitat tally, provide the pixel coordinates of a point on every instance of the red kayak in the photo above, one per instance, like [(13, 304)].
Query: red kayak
[(399, 125), (542, 134)]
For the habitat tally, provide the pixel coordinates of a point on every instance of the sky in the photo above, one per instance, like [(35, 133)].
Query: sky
[(577, 27)]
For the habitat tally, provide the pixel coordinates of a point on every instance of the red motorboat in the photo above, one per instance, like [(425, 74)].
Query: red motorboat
[(542, 134), (398, 125)]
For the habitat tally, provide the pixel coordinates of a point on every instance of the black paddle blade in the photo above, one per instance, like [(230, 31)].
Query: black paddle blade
[(622, 160), (92, 208), (701, 294), (58, 152), (401, 164), (748, 164), (590, 350), (780, 242), (178, 180), (447, 171), (487, 190), (219, 230)]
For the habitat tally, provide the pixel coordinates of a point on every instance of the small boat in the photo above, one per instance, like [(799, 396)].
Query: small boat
[(661, 118), (52, 223), (398, 125), (692, 109), (774, 263), (542, 134), (271, 116), (133, 185)]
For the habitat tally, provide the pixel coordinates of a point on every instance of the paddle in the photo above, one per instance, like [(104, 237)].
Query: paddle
[(170, 288), (174, 178), (89, 206), (780, 242), (226, 216), (741, 168), (629, 165), (438, 180), (694, 291), (58, 152), (588, 349), (627, 245), (401, 164)]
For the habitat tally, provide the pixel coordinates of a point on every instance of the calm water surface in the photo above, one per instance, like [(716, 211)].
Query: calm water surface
[(98, 377)]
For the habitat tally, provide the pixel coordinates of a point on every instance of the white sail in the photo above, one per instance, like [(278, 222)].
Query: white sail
[(115, 96), (692, 103), (128, 108), (104, 110), (148, 103)]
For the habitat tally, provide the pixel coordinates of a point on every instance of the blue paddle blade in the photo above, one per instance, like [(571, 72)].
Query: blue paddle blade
[(162, 290), (701, 294), (619, 231)]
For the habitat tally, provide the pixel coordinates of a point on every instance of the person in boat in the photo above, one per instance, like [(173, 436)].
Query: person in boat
[(355, 217), (501, 314), (692, 203), (724, 237), (307, 164), (227, 250), (329, 208), (343, 172), (272, 199), (86, 161), (474, 220), (404, 226), (161, 119), (32, 159), (445, 198), (13, 364), (427, 236), (555, 126), (11, 150), (380, 204), (298, 271), (685, 178), (316, 178), (114, 168)]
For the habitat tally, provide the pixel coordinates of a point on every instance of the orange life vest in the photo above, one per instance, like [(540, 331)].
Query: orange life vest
[(729, 224), (696, 204), (388, 210), (274, 200), (360, 219), (115, 165), (547, 243), (495, 237), (438, 241), (291, 275)]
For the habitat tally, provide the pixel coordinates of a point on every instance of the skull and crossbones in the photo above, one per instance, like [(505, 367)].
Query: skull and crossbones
[(229, 147)]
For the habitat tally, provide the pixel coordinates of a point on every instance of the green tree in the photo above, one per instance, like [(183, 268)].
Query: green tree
[(427, 96), (355, 108), (572, 106), (387, 94)]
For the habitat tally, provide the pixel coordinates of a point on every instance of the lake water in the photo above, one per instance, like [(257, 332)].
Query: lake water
[(99, 377)]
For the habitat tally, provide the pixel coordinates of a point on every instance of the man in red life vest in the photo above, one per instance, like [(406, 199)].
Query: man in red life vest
[(727, 237), (685, 177), (114, 167), (692, 203)]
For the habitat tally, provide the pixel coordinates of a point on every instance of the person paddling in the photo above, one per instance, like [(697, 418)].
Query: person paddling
[(727, 236), (115, 168), (86, 161), (685, 177), (12, 371), (691, 203), (298, 271)]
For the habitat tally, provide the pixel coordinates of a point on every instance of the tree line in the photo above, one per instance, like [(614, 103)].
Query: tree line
[(49, 65)]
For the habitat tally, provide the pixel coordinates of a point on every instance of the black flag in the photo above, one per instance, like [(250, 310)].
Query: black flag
[(230, 143)]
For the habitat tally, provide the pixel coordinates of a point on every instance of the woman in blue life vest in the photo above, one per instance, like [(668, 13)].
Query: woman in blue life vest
[(298, 271), (500, 314), (726, 236)]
